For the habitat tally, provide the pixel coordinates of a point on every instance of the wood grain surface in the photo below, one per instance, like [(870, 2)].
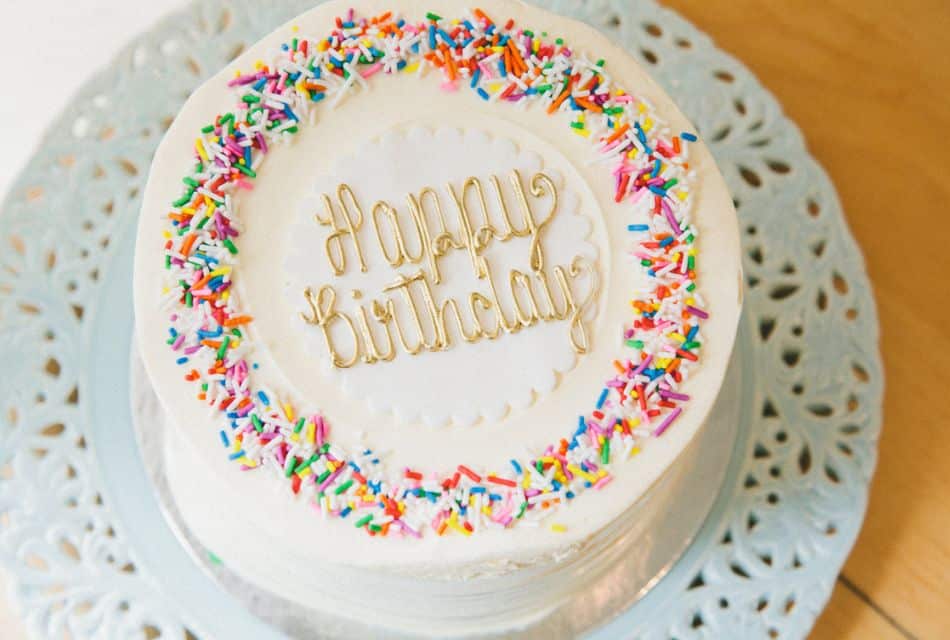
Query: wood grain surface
[(868, 82)]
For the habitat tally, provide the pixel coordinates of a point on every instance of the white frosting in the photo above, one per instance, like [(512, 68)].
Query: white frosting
[(457, 391), (229, 508)]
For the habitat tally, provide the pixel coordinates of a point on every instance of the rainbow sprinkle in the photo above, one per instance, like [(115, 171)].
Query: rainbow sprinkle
[(497, 63)]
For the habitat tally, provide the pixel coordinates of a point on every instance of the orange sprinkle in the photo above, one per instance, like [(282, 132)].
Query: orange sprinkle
[(619, 132), (237, 321), (186, 245)]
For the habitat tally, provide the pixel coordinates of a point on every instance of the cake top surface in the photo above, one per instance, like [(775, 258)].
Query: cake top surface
[(465, 281)]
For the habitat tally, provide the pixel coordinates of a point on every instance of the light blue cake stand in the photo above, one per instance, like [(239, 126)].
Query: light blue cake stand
[(80, 526)]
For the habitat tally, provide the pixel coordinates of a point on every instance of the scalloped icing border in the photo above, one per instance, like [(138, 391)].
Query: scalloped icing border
[(496, 397)]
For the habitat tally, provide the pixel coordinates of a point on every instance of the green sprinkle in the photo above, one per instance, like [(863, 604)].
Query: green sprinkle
[(365, 520), (690, 263), (224, 347), (605, 452), (539, 466), (543, 88), (203, 222), (251, 98), (189, 302), (214, 559), (646, 263), (691, 286), (168, 261), (289, 469), (236, 333), (601, 62), (636, 344), (299, 426), (343, 487), (229, 246), (257, 423), (375, 528), (692, 344), (433, 16), (323, 476), (522, 509), (577, 125), (306, 463), (207, 128), (245, 170), (612, 111), (669, 184), (559, 41), (183, 200)]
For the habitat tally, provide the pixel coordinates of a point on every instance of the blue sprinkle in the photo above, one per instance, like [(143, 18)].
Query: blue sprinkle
[(556, 485), (692, 333), (255, 365), (638, 227), (446, 37), (569, 495), (263, 397), (224, 438), (514, 463), (494, 497), (346, 511), (317, 97), (476, 77), (667, 241), (432, 36), (181, 360), (501, 69), (400, 65), (236, 455), (354, 466), (603, 398), (477, 490), (290, 114), (581, 426), (688, 136), (484, 94), (657, 190)]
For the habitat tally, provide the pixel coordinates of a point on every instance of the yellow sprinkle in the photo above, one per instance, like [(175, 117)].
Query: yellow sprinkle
[(632, 153), (681, 195), (634, 451), (295, 437), (289, 411), (295, 28), (558, 528), (167, 234), (527, 479), (584, 133), (312, 434), (677, 336), (303, 473), (224, 297), (247, 462), (200, 147), (220, 271), (573, 468), (647, 124), (641, 107), (412, 67)]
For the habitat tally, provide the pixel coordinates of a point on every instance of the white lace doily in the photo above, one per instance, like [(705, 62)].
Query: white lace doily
[(77, 516)]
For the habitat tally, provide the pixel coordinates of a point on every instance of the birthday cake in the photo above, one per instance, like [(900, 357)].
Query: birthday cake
[(437, 306)]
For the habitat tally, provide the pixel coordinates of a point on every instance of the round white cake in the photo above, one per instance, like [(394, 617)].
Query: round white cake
[(437, 307)]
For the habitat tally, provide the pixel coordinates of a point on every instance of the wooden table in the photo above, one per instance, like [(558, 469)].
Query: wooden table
[(868, 82)]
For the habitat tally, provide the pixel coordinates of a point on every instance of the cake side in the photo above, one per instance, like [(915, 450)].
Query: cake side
[(718, 272)]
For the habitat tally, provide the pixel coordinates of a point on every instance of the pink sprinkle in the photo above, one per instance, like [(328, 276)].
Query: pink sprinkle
[(667, 421), (697, 311)]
